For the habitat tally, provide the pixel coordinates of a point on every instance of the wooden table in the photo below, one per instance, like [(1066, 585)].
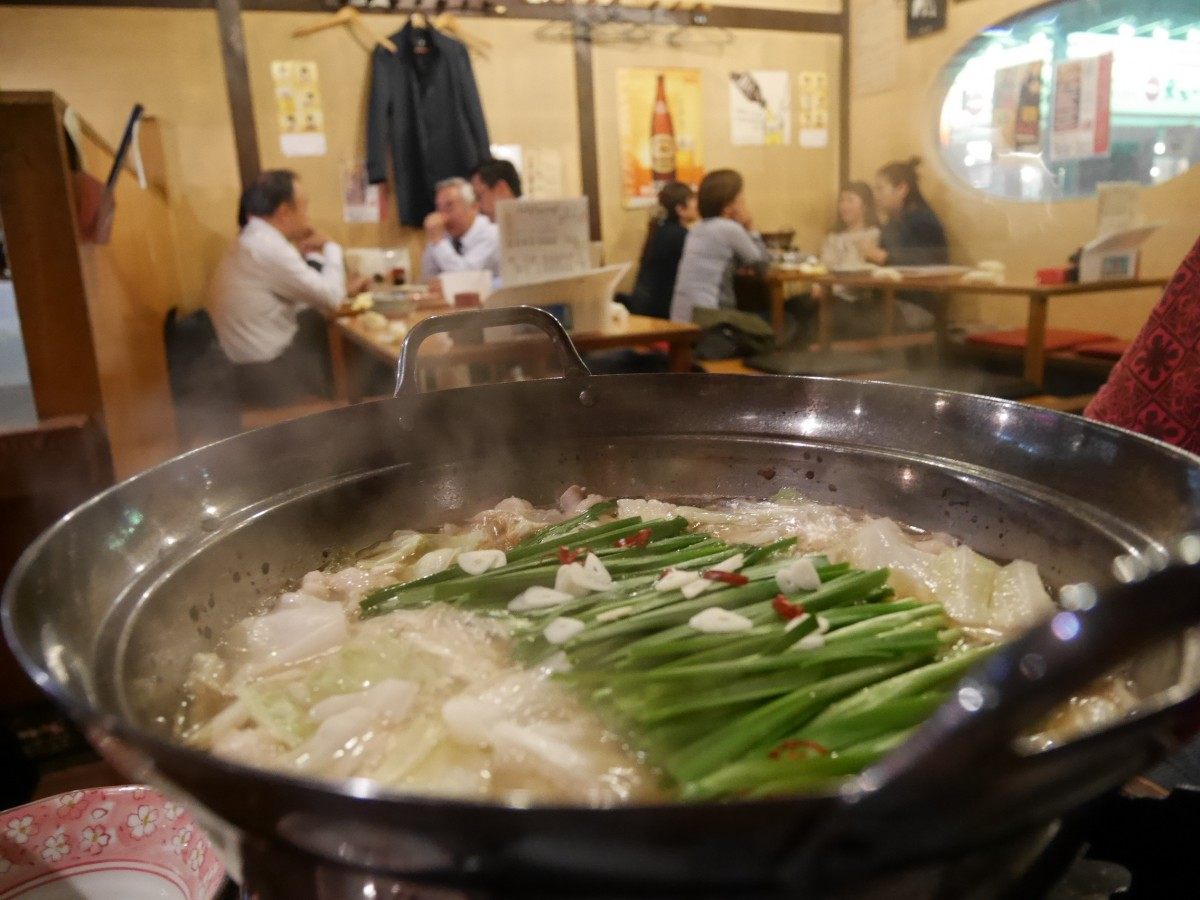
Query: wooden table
[(1038, 295), (531, 353)]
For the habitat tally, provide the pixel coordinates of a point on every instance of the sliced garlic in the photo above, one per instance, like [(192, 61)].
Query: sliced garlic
[(577, 581), (694, 589), (476, 562), (795, 623), (674, 579), (538, 597), (613, 614), (562, 630), (433, 562), (812, 641), (732, 564), (716, 620), (798, 576), (595, 568)]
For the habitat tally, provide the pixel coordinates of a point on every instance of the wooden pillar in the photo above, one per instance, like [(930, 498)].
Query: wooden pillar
[(237, 86), (585, 96)]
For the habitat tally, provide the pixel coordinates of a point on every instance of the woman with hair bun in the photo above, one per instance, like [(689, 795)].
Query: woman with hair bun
[(913, 235)]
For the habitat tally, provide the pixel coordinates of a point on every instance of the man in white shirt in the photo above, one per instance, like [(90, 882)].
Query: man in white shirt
[(457, 237), (267, 302), (494, 180)]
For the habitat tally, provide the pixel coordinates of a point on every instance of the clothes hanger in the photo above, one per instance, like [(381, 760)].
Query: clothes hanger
[(349, 17), (448, 23)]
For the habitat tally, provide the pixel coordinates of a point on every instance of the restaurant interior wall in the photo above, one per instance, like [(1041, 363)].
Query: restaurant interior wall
[(786, 186), (527, 88), (102, 61), (1025, 236)]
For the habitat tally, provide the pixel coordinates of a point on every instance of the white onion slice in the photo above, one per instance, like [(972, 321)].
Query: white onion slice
[(476, 562), (538, 597), (715, 620)]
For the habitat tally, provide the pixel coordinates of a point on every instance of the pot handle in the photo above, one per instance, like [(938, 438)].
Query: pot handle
[(406, 368), (961, 753)]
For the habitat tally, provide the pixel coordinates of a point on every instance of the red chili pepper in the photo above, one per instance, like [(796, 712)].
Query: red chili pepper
[(786, 609), (790, 749), (566, 555), (638, 539), (734, 578)]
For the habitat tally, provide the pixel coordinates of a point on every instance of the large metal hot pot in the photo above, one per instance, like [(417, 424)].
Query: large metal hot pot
[(106, 609)]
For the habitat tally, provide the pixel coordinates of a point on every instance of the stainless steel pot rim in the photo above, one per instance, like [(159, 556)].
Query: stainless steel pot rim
[(373, 792)]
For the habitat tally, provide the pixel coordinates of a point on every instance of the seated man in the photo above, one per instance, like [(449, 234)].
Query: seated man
[(494, 180), (457, 237), (267, 302)]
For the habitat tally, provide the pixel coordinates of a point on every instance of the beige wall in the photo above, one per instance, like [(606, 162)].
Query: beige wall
[(525, 103), (901, 122), (786, 186), (102, 61)]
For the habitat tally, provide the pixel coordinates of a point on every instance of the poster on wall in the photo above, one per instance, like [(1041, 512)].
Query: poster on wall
[(361, 201), (925, 16), (660, 117), (1017, 107), (814, 110), (760, 108), (1081, 126), (298, 107)]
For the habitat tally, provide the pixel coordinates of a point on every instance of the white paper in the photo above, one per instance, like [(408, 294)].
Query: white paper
[(760, 108), (875, 30), (1117, 206), (361, 201), (542, 239), (511, 152), (544, 174), (1080, 127), (310, 144), (814, 138)]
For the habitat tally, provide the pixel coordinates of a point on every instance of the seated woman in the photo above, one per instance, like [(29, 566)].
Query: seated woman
[(722, 242), (664, 247), (913, 235), (856, 228)]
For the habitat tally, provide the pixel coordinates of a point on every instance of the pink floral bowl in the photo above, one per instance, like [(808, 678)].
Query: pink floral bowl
[(124, 842)]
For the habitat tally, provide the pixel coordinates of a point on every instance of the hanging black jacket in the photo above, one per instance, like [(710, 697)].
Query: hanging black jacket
[(425, 109)]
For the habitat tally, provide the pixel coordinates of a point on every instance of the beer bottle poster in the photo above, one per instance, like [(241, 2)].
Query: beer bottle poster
[(1017, 107), (660, 117)]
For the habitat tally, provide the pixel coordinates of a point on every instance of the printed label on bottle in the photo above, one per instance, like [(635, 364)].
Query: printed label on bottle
[(662, 153)]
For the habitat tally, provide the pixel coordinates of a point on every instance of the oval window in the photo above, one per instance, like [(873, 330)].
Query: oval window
[(1052, 102)]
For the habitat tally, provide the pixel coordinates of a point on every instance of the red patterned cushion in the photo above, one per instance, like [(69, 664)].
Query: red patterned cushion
[(1155, 388), (1056, 338), (1113, 349)]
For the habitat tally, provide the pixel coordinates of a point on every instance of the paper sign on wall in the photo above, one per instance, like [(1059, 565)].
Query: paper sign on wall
[(544, 173), (542, 239), (661, 115), (814, 109), (760, 108), (1017, 107), (1080, 128), (361, 200), (298, 107)]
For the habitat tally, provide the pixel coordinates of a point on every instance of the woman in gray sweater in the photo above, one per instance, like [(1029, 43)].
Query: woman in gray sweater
[(721, 243)]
